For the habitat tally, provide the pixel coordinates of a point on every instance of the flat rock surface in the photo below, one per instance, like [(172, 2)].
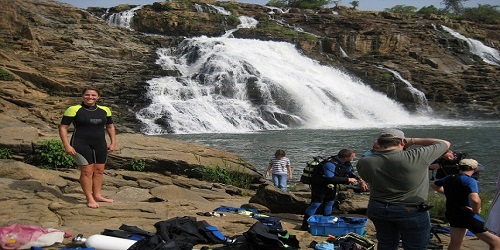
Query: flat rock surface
[(53, 199)]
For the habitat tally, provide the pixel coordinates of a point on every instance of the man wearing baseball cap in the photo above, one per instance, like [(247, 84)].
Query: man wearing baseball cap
[(399, 187), (463, 205)]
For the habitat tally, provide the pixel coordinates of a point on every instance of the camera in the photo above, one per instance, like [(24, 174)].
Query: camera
[(422, 207)]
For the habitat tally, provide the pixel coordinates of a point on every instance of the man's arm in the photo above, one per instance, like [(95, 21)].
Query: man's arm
[(475, 203), (425, 141), (437, 188)]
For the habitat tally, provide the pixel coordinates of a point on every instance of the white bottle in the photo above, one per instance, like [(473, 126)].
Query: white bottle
[(104, 242)]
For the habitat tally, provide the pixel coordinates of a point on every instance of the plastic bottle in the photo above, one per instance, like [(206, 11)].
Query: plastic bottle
[(104, 242), (11, 238), (10, 242)]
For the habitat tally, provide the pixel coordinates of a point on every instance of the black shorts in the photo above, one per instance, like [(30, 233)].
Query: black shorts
[(472, 222), (90, 152)]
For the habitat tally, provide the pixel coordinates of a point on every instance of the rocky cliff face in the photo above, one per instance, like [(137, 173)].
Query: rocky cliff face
[(54, 49), (455, 82)]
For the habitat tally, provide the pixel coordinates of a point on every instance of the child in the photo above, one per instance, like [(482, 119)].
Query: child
[(281, 169)]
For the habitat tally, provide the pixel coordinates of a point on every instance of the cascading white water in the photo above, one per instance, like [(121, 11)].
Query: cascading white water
[(422, 105), (488, 54), (228, 85), (123, 18)]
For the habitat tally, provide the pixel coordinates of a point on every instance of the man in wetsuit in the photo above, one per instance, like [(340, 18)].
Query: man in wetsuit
[(88, 143), (463, 206), (336, 170)]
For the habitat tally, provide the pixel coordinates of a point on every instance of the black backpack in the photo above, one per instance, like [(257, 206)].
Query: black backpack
[(178, 233), (314, 169), (261, 237)]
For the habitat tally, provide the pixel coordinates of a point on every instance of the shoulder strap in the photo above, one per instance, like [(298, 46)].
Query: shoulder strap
[(212, 233)]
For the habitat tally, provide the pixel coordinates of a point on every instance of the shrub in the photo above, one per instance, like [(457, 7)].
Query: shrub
[(222, 175), (482, 14), (138, 164), (402, 9), (6, 76), (277, 3), (5, 153), (439, 203), (51, 155), (431, 10), (304, 4)]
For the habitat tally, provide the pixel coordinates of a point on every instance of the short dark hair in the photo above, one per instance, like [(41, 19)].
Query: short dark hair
[(388, 142), (91, 88), (345, 153)]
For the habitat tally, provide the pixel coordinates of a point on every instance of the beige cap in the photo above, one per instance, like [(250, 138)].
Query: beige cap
[(468, 162)]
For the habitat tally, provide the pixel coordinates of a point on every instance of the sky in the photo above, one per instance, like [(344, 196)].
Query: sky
[(377, 5)]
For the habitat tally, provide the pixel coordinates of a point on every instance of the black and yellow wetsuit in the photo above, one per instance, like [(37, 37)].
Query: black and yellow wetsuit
[(89, 136)]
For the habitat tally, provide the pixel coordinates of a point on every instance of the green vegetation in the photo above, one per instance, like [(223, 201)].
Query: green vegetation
[(354, 4), (180, 1), (278, 3), (455, 6), (303, 4), (482, 14), (283, 32), (431, 10), (51, 155), (138, 164), (402, 9), (439, 203), (222, 175), (230, 6), (157, 6), (5, 153), (6, 76)]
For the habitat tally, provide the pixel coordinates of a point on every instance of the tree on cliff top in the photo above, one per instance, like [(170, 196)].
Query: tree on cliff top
[(455, 6), (303, 4)]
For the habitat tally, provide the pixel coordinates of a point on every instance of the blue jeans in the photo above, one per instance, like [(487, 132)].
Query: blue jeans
[(280, 181), (395, 222)]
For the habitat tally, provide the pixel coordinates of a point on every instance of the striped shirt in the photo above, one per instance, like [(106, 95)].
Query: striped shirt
[(279, 166)]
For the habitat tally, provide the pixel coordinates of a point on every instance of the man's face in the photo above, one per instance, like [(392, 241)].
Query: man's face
[(448, 156), (352, 157)]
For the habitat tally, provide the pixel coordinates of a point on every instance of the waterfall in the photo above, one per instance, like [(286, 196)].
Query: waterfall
[(220, 10), (245, 23), (342, 52), (123, 18), (274, 10), (229, 85), (421, 102), (488, 54)]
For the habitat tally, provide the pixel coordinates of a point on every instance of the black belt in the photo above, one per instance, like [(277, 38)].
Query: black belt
[(388, 204), (422, 207)]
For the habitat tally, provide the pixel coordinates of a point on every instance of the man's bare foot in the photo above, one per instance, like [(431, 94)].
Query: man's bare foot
[(102, 199), (92, 204)]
